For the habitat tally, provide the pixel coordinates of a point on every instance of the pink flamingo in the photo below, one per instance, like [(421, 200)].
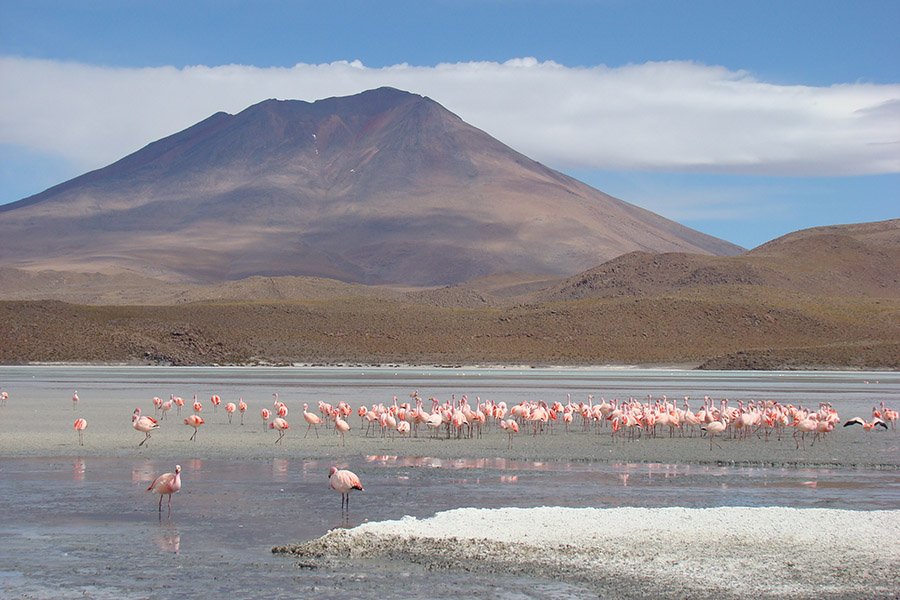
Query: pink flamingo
[(179, 402), (80, 426), (281, 425), (265, 414), (166, 485), (230, 408), (242, 408), (713, 429), (75, 400), (215, 402), (342, 480), (166, 407), (194, 421), (342, 426), (511, 427), (312, 420), (143, 424), (198, 406)]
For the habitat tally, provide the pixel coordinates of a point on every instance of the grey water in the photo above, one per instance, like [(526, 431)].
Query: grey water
[(76, 527)]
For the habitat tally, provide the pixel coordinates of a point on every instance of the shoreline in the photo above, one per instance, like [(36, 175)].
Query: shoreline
[(686, 367)]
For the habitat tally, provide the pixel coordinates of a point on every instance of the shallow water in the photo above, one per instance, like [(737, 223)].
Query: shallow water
[(85, 526)]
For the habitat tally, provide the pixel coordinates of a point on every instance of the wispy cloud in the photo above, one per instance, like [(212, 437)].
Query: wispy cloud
[(672, 116)]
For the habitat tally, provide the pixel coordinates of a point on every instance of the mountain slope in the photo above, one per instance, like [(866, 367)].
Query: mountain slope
[(841, 260), (381, 187)]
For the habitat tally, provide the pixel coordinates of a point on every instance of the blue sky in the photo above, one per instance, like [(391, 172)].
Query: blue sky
[(746, 120)]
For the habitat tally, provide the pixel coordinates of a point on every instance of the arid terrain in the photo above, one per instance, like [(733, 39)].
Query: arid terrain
[(821, 298)]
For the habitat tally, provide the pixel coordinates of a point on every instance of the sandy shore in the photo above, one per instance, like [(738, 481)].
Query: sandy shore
[(640, 552)]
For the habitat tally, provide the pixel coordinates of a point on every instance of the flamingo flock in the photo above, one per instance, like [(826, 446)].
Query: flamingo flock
[(623, 420)]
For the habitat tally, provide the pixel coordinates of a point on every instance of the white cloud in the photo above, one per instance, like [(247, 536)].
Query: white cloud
[(675, 116)]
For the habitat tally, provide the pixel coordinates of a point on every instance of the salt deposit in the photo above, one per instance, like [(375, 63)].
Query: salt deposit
[(633, 552)]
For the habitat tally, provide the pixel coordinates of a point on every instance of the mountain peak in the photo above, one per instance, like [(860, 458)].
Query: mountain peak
[(384, 186)]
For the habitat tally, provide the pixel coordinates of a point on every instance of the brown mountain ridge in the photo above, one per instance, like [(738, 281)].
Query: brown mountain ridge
[(819, 298)]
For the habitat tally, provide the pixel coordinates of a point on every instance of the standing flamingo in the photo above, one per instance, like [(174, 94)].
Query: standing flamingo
[(342, 480), (265, 414), (143, 424), (194, 421), (713, 429), (166, 485), (80, 426), (511, 427), (230, 408), (75, 400), (342, 426), (312, 420), (281, 425), (215, 399), (242, 408)]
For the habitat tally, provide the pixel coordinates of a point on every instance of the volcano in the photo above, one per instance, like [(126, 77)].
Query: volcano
[(383, 187)]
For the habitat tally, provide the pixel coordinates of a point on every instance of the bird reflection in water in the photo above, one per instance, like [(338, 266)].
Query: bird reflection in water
[(280, 470), (168, 538), (143, 472), (78, 469)]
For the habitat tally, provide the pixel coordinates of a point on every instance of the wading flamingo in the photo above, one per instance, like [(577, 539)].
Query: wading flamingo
[(75, 400), (80, 426), (194, 421), (342, 480), (265, 414), (313, 420), (342, 426), (166, 485), (230, 408), (242, 408), (281, 425), (143, 424)]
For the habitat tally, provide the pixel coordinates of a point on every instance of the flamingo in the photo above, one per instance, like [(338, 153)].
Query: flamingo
[(265, 414), (215, 399), (166, 485), (342, 480), (4, 396), (511, 427), (342, 426), (75, 400), (80, 426), (194, 421), (868, 426), (230, 408), (143, 424), (281, 425), (714, 428), (242, 408), (312, 420), (198, 406)]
